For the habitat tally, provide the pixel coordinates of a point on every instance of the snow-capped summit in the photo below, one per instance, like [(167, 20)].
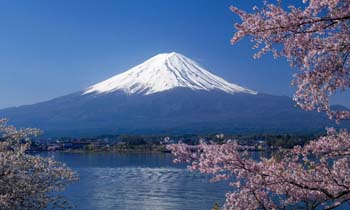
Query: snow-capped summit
[(164, 72)]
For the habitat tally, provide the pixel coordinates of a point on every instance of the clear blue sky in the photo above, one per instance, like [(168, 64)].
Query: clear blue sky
[(50, 48)]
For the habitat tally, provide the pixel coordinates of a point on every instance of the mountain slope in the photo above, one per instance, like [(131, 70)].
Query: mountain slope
[(138, 101)]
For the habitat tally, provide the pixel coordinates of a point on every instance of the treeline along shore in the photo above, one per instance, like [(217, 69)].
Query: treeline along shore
[(157, 143)]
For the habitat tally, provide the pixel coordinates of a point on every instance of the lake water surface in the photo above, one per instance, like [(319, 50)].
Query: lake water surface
[(136, 182)]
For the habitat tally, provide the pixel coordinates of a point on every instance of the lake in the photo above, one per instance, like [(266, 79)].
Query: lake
[(136, 182)]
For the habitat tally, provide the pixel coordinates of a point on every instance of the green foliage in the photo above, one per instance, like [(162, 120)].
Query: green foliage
[(133, 140), (216, 206)]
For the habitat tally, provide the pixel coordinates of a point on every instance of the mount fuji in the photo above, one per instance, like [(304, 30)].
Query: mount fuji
[(167, 94)]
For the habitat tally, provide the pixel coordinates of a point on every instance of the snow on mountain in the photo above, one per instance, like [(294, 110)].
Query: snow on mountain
[(164, 72)]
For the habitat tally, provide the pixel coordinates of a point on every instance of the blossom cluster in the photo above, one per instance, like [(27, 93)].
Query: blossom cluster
[(315, 39), (28, 181), (314, 176)]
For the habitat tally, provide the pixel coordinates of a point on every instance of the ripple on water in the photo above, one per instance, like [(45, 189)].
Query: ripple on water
[(143, 188), (112, 181)]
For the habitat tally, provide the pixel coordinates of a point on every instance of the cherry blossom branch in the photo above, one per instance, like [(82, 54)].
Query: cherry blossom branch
[(315, 39)]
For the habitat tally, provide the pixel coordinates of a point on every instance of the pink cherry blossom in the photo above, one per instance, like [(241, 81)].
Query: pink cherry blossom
[(28, 181), (314, 176), (316, 40)]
